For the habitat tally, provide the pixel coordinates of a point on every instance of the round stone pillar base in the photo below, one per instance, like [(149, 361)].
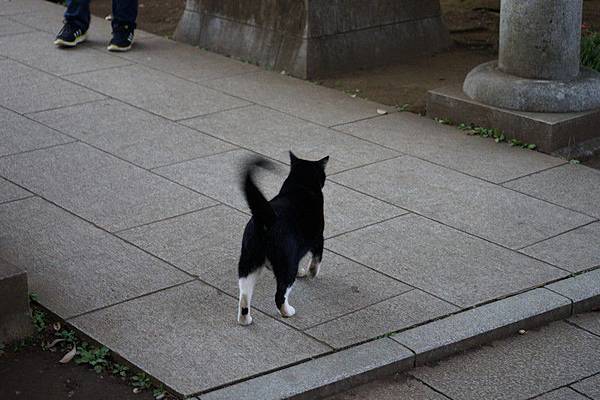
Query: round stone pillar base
[(488, 84)]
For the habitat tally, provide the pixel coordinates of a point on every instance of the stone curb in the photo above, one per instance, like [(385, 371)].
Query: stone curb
[(325, 376)]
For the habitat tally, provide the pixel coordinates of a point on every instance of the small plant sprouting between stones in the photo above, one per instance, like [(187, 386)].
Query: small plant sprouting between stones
[(403, 107), (590, 48), (443, 121), (51, 335), (496, 134)]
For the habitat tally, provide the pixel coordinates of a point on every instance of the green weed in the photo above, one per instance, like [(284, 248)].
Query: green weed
[(95, 357)]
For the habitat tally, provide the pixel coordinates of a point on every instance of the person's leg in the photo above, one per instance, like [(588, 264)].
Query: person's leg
[(124, 12), (78, 13), (77, 22), (124, 15)]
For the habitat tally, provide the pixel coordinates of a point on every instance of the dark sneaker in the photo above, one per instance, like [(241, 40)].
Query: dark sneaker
[(70, 35), (122, 38)]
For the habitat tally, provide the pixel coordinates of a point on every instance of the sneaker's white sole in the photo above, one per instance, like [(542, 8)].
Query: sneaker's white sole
[(63, 43), (112, 47)]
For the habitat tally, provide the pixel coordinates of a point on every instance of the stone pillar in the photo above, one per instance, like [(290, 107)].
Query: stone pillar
[(539, 61)]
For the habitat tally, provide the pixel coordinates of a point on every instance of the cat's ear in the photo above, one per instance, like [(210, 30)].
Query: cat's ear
[(323, 162), (293, 158)]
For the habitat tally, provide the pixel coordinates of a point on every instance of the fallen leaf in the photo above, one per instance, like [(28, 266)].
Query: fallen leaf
[(136, 390), (55, 342), (381, 112), (522, 331), (69, 356)]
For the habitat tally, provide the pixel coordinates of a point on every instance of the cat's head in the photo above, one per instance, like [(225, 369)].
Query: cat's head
[(310, 173)]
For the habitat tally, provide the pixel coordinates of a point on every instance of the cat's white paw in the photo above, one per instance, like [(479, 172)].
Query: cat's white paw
[(302, 272), (314, 269), (245, 319), (287, 311)]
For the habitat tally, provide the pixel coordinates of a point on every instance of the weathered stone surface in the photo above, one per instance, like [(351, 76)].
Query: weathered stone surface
[(185, 61), (73, 266), (589, 321), (554, 356), (18, 134), (576, 187), (549, 131), (13, 7), (218, 177), (400, 312), (540, 39), (323, 376), (302, 99), (274, 134), (15, 315), (452, 265), (37, 50), (488, 84), (389, 389), (8, 27), (207, 243), (589, 386), (134, 135), (10, 192), (195, 332), (583, 290), (481, 325), (562, 394), (98, 187), (446, 145), (17, 81), (463, 202), (312, 38), (157, 92), (575, 251)]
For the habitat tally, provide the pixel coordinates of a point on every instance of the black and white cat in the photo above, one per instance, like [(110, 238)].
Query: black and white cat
[(282, 231)]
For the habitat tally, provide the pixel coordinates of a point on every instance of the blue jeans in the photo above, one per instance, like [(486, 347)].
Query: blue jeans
[(124, 12)]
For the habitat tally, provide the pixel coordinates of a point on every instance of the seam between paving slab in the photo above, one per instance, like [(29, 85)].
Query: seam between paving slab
[(457, 229), (567, 386), (556, 235), (558, 310)]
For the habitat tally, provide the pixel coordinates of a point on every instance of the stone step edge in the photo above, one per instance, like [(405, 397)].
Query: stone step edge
[(340, 371)]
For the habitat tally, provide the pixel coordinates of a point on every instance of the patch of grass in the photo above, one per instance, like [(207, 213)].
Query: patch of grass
[(443, 121), (141, 381), (590, 48), (496, 134), (95, 357), (120, 370), (403, 107), (39, 321)]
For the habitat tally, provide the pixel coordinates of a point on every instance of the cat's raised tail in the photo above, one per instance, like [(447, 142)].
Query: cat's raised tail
[(259, 206)]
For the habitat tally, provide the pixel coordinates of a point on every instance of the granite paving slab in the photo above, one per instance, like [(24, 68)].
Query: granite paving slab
[(589, 321), (219, 177), (454, 266), (19, 134), (129, 133), (98, 187), (73, 266), (299, 98), (450, 147), (583, 290), (11, 192), (274, 134), (556, 355), (12, 7), (573, 186), (400, 312), (590, 387), (575, 251), (185, 61), (207, 244), (37, 50), (18, 82), (196, 343), (483, 324), (157, 92), (9, 27), (389, 389), (322, 376), (562, 394), (489, 211)]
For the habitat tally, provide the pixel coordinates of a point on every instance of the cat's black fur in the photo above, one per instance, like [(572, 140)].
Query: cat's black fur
[(282, 231)]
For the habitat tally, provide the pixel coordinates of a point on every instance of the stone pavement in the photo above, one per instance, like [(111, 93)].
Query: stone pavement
[(557, 362), (119, 195)]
